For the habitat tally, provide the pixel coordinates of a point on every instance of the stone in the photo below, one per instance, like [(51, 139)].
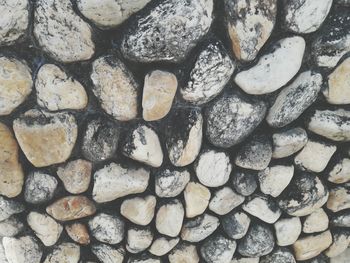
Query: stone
[(169, 218), (231, 118), (9, 207), (163, 245), (184, 253), (2, 253), (244, 181), (55, 90), (46, 138), (197, 199), (218, 249), (274, 69), (343, 2), (15, 77), (319, 259), (199, 228), (39, 187), (108, 254), (24, 249), (144, 258), (274, 179), (224, 200), (100, 141), (138, 239), (315, 156), (11, 227), (341, 219), (211, 72), (255, 154), (258, 241), (107, 228), (71, 208), (287, 230), (311, 246), (249, 25), (170, 38), (114, 181), (65, 252), (294, 99), (115, 87), (340, 171), (143, 145), (339, 198), (316, 222), (245, 260), (184, 143), (235, 224), (11, 171), (170, 182), (158, 94), (288, 142), (213, 168), (279, 255), (341, 241), (75, 175), (342, 258), (139, 210), (78, 233), (107, 14), (61, 33)]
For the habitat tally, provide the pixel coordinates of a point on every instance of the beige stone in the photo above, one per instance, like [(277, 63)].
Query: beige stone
[(169, 218), (64, 253), (197, 198), (339, 199), (139, 210), (316, 222), (79, 233), (184, 253)]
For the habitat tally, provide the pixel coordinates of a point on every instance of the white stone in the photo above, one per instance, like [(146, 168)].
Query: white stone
[(10, 227), (236, 224), (22, 250), (184, 253), (199, 228), (288, 142), (287, 230), (169, 218), (162, 246), (139, 210), (316, 222), (65, 252), (39, 187), (9, 207), (339, 198), (170, 183), (340, 172), (138, 239), (197, 199), (341, 241), (3, 258), (224, 200), (108, 254)]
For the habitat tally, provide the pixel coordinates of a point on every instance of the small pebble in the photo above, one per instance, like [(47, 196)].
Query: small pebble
[(108, 254), (316, 222), (9, 207), (65, 252), (339, 198), (218, 249), (245, 181), (11, 227), (279, 255), (184, 253)]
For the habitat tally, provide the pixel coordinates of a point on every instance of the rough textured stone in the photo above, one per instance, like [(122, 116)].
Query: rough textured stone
[(22, 250), (10, 227), (163, 245), (316, 222), (245, 181), (279, 255), (340, 171), (245, 260), (341, 241), (39, 187), (107, 228), (184, 253), (138, 239), (197, 199), (108, 254), (170, 182), (139, 210), (339, 198), (224, 200), (199, 228), (9, 207), (79, 233), (65, 252), (287, 230), (218, 249), (169, 218), (236, 224)]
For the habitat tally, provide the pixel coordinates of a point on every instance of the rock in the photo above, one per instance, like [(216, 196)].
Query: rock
[(304, 195), (139, 210), (341, 219), (143, 145), (171, 38), (341, 241), (75, 175), (287, 230), (249, 25), (107, 228), (158, 94), (259, 241), (224, 200), (39, 187), (263, 207), (274, 179), (232, 118), (315, 156), (316, 222), (244, 181), (213, 168), (288, 142), (245, 260), (138, 239), (255, 154), (14, 21), (235, 224), (169, 218), (184, 143), (319, 259), (79, 233), (343, 2), (274, 69), (170, 182), (9, 207), (305, 16), (211, 72), (55, 90), (184, 253), (279, 255), (294, 99), (114, 181), (218, 249), (162, 246), (197, 199), (100, 141), (65, 252), (108, 254), (312, 245), (144, 258), (340, 171), (199, 228), (61, 33), (46, 138), (339, 198), (71, 208), (2, 253), (11, 172), (15, 78), (10, 227), (342, 258), (107, 14), (22, 250)]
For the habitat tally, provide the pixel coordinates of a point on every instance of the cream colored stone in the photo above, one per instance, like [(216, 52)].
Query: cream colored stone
[(197, 198), (64, 253), (79, 233), (316, 222), (162, 246), (169, 218), (339, 199), (287, 230), (22, 250), (184, 253), (139, 210)]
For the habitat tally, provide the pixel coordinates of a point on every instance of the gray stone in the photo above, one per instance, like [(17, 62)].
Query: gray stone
[(138, 239), (163, 245), (199, 228), (279, 255), (287, 230), (245, 181), (224, 200), (39, 187), (9, 207), (169, 218), (235, 224), (218, 249), (341, 219), (108, 254), (170, 182), (22, 250)]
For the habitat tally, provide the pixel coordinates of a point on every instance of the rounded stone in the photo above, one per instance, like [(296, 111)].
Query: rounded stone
[(287, 230), (235, 224), (161, 246), (79, 233), (23, 249), (316, 222), (105, 253), (245, 181), (169, 218), (65, 252), (184, 252), (279, 255), (139, 210), (138, 239), (218, 249), (170, 182), (224, 200), (197, 199), (39, 187), (9, 207)]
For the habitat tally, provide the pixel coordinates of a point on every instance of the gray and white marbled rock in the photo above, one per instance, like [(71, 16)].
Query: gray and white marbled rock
[(244, 181), (231, 118), (61, 32), (249, 25), (339, 198), (24, 249), (211, 72), (11, 227), (199, 228), (316, 222), (274, 69), (218, 249), (184, 252), (167, 31), (197, 198), (235, 224), (341, 219), (339, 171), (162, 245), (287, 230), (108, 254), (170, 217), (39, 187), (342, 2), (294, 99), (279, 255), (341, 240), (9, 207), (144, 258), (170, 182), (139, 210), (64, 252), (107, 228), (138, 239), (224, 200)]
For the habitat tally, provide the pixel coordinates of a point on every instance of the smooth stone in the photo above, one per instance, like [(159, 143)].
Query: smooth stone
[(24, 249), (235, 224), (184, 253), (39, 187), (279, 255), (224, 200), (344, 3), (199, 228), (341, 241), (2, 253), (197, 198), (15, 80), (114, 181), (344, 257), (231, 118), (162, 246), (294, 99), (11, 227), (9, 207), (46, 138), (339, 198), (213, 168), (65, 252), (78, 233), (316, 222), (341, 219), (245, 260), (144, 258), (11, 171), (169, 218), (211, 72), (287, 230), (244, 181), (249, 25), (139, 210), (171, 38), (218, 249), (170, 182), (138, 239), (158, 94), (275, 69), (108, 254), (115, 87)]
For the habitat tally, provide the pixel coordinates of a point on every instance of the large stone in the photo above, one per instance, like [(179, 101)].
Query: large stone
[(184, 253), (138, 239), (316, 222), (65, 252), (339, 198), (235, 224), (108, 254), (163, 245), (197, 199), (224, 200), (79, 233), (139, 210), (22, 250), (39, 187), (169, 218), (9, 207), (287, 230), (199, 228), (218, 249), (170, 182)]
